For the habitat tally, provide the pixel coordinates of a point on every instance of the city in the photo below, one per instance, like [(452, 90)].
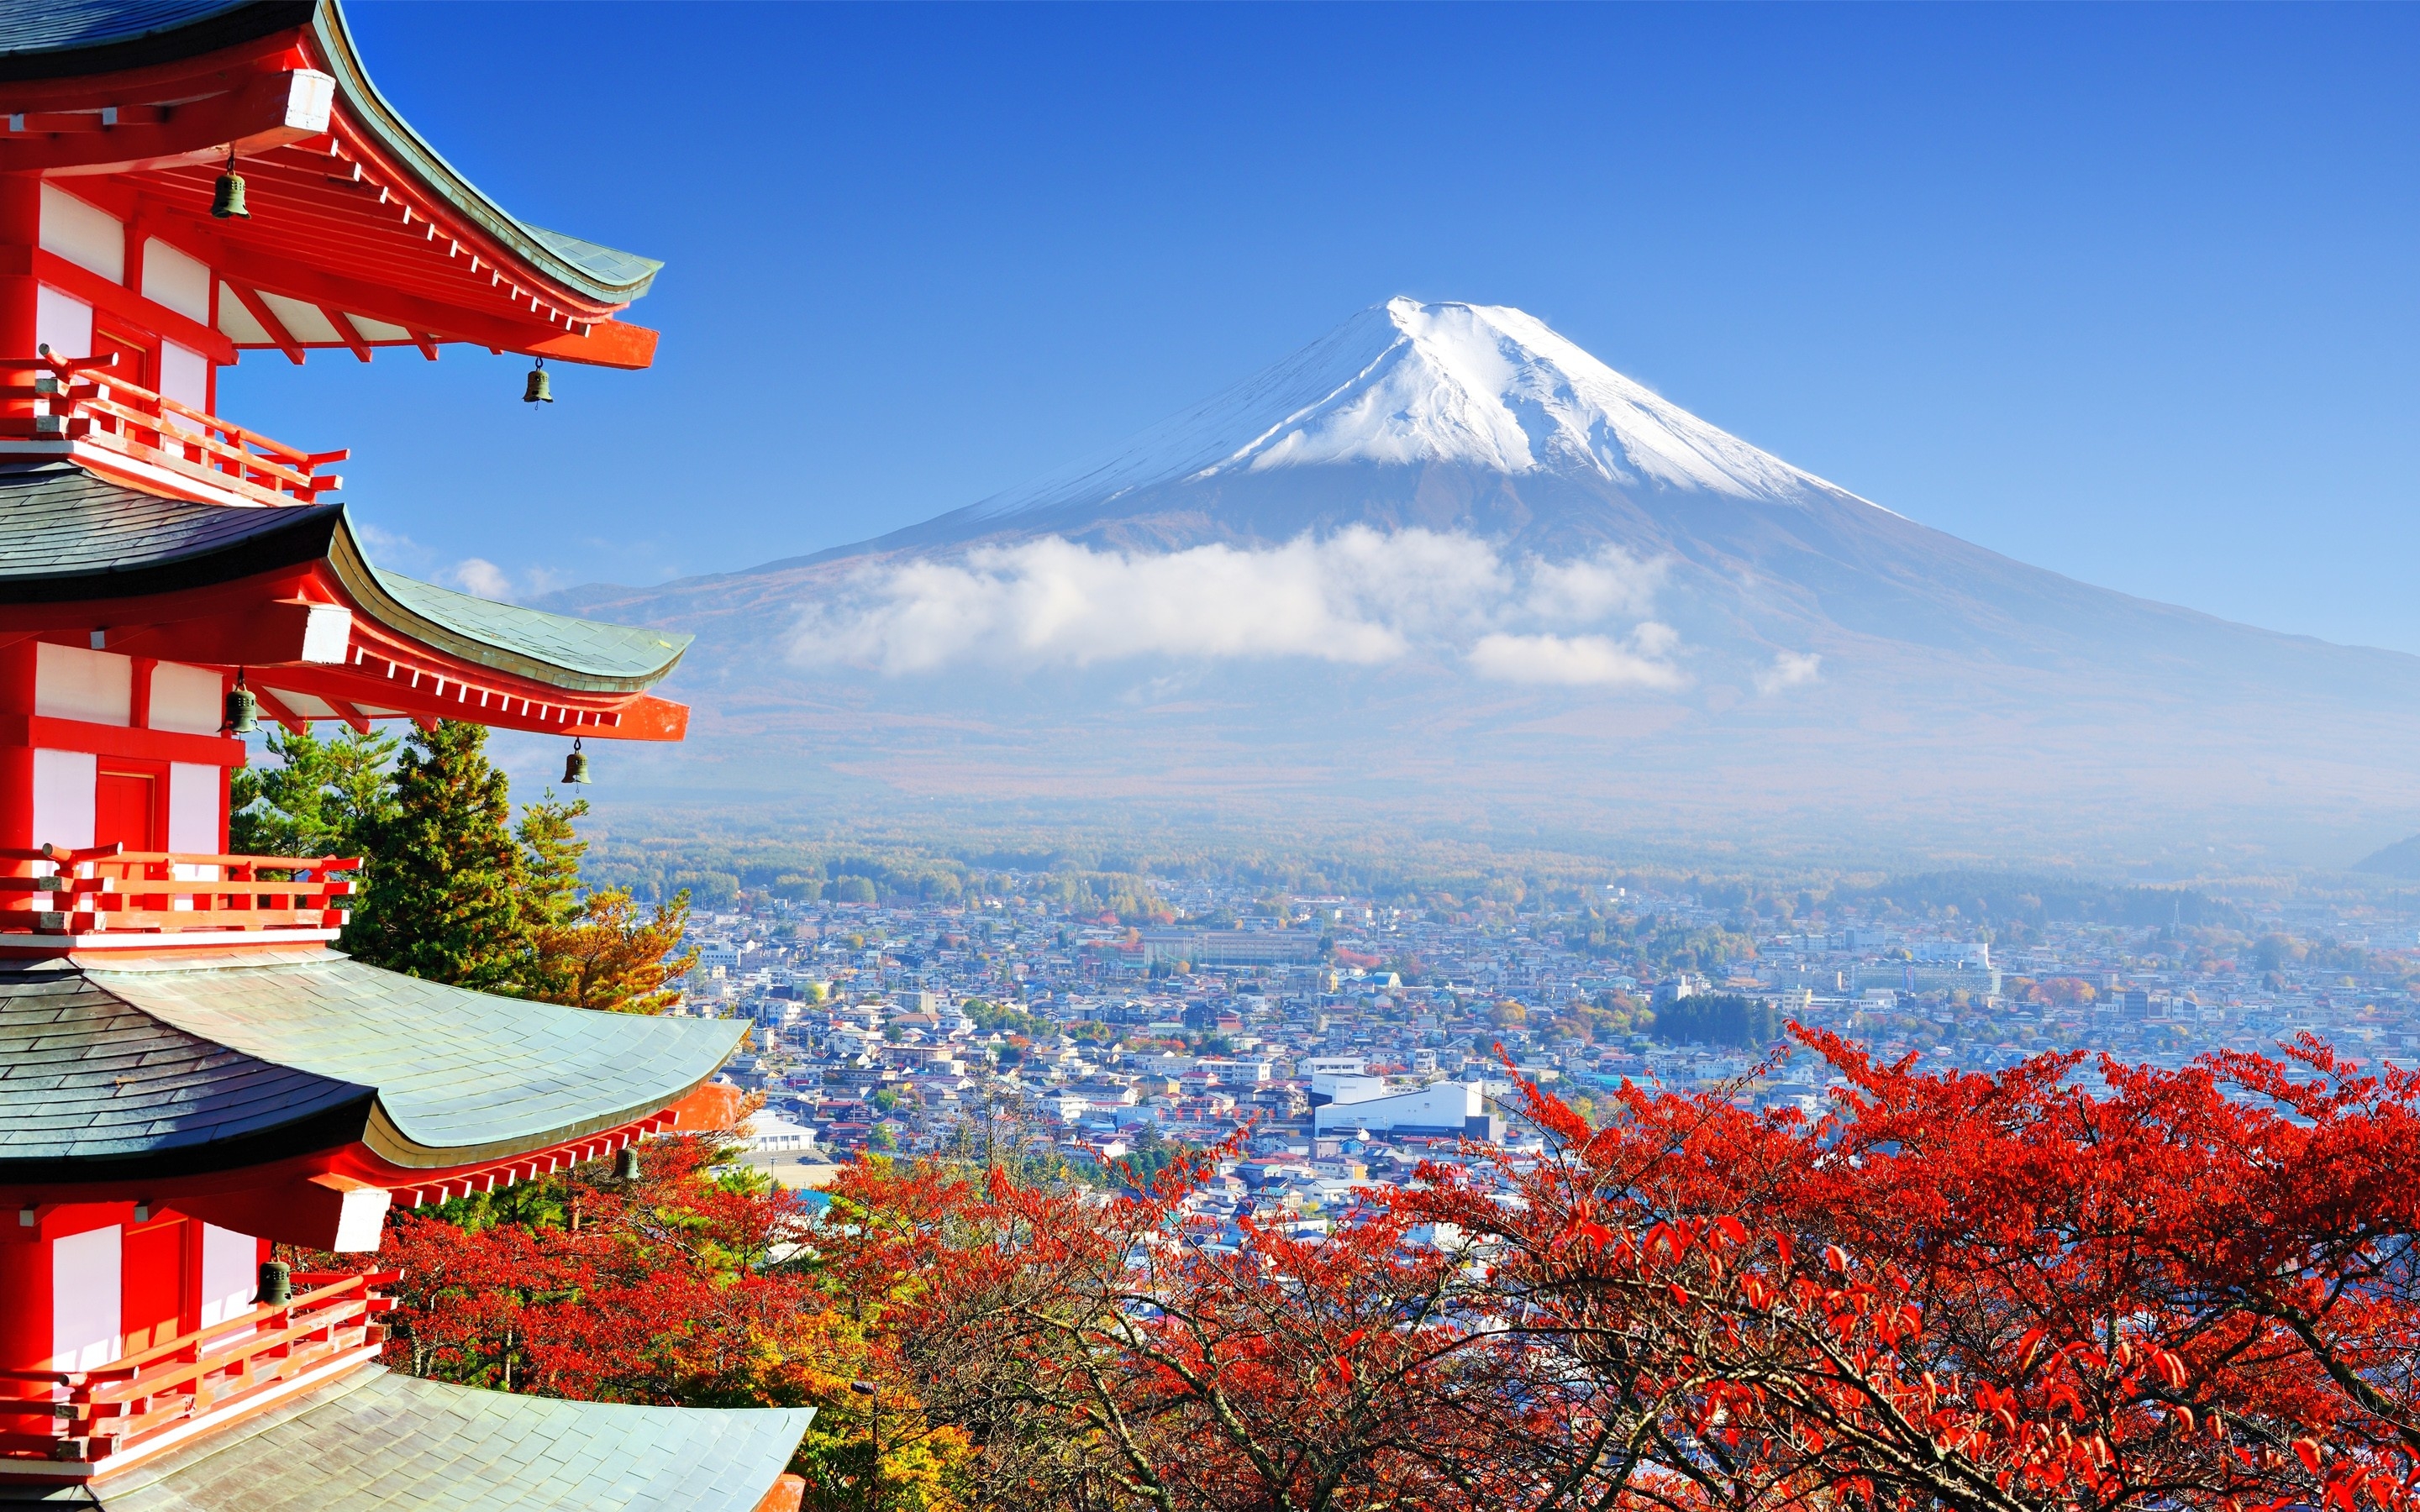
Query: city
[(1330, 1044)]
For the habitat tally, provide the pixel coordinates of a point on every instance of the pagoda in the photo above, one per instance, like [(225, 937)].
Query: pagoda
[(190, 1071)]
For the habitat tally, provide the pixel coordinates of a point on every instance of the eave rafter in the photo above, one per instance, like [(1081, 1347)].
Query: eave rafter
[(323, 195)]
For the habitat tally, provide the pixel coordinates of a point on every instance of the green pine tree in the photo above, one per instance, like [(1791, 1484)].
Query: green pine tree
[(550, 893), (443, 894), (322, 798)]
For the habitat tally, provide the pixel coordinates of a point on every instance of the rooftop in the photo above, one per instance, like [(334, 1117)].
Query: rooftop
[(373, 1438), (174, 1068)]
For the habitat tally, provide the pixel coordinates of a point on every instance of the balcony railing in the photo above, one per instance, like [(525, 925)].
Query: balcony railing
[(91, 1416), (78, 399), (54, 891)]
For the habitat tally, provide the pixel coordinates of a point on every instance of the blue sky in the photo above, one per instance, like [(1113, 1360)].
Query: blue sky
[(2129, 292)]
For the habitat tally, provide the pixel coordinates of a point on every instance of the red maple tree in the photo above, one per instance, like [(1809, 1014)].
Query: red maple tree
[(2071, 1286)]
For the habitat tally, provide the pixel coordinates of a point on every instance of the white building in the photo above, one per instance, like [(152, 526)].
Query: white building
[(1455, 1109), (770, 1133)]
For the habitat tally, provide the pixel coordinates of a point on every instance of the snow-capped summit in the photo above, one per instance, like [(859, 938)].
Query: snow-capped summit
[(1405, 384)]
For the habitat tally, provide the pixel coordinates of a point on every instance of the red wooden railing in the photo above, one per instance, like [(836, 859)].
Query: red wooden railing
[(86, 1415), (54, 891), (78, 399)]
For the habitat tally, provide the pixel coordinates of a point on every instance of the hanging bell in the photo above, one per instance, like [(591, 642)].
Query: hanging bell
[(538, 389), (242, 711), (575, 767), (626, 1164), (226, 202), (276, 1284)]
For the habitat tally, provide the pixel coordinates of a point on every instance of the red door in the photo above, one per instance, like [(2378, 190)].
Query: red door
[(123, 810), (151, 1281)]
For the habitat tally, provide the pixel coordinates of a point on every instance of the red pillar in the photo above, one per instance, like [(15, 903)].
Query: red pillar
[(21, 232), (24, 1301)]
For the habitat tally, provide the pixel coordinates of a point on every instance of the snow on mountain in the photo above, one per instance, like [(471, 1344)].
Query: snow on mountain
[(1405, 384)]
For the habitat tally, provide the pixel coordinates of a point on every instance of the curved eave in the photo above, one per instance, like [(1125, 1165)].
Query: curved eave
[(189, 1071), (371, 596), (91, 54), (382, 1138), (362, 103), (322, 1129)]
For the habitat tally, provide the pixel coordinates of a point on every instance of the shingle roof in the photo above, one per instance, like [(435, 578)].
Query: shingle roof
[(68, 535), (85, 1075), (29, 28), (374, 1439), (590, 646), (171, 1068)]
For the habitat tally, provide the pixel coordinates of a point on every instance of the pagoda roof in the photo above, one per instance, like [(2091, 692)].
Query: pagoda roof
[(182, 1066), (73, 539), (375, 1437), (400, 241)]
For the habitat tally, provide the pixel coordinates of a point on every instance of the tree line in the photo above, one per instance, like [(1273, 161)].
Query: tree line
[(455, 888)]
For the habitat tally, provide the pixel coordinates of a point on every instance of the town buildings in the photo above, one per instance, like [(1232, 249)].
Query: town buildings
[(1323, 1056)]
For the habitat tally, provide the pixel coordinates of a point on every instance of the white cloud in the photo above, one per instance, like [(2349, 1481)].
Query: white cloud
[(1790, 669), (1637, 660), (1357, 597), (1582, 592), (477, 575), (480, 576)]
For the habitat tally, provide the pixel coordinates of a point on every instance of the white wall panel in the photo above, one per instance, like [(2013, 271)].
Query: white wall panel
[(177, 281), (64, 789), (187, 700), (185, 376), (230, 1273), (86, 1288), (62, 323), (194, 807), (71, 683), (83, 233)]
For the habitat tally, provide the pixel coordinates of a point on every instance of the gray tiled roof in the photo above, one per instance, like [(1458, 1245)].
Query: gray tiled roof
[(194, 1065), (374, 1438), (85, 1075), (67, 535), (590, 646), (62, 522), (60, 26)]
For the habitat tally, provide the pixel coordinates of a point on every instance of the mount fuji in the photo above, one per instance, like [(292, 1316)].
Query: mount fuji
[(1445, 567)]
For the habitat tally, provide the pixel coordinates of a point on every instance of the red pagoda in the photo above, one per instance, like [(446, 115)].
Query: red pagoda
[(188, 1072)]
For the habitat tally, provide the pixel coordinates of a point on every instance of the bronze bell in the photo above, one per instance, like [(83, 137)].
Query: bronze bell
[(276, 1284), (575, 767), (538, 389), (242, 711), (227, 203), (626, 1164)]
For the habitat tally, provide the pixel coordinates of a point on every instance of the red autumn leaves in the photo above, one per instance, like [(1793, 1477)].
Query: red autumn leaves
[(2069, 1287)]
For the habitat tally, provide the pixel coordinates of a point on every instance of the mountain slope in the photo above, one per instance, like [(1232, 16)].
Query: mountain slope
[(1778, 633)]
